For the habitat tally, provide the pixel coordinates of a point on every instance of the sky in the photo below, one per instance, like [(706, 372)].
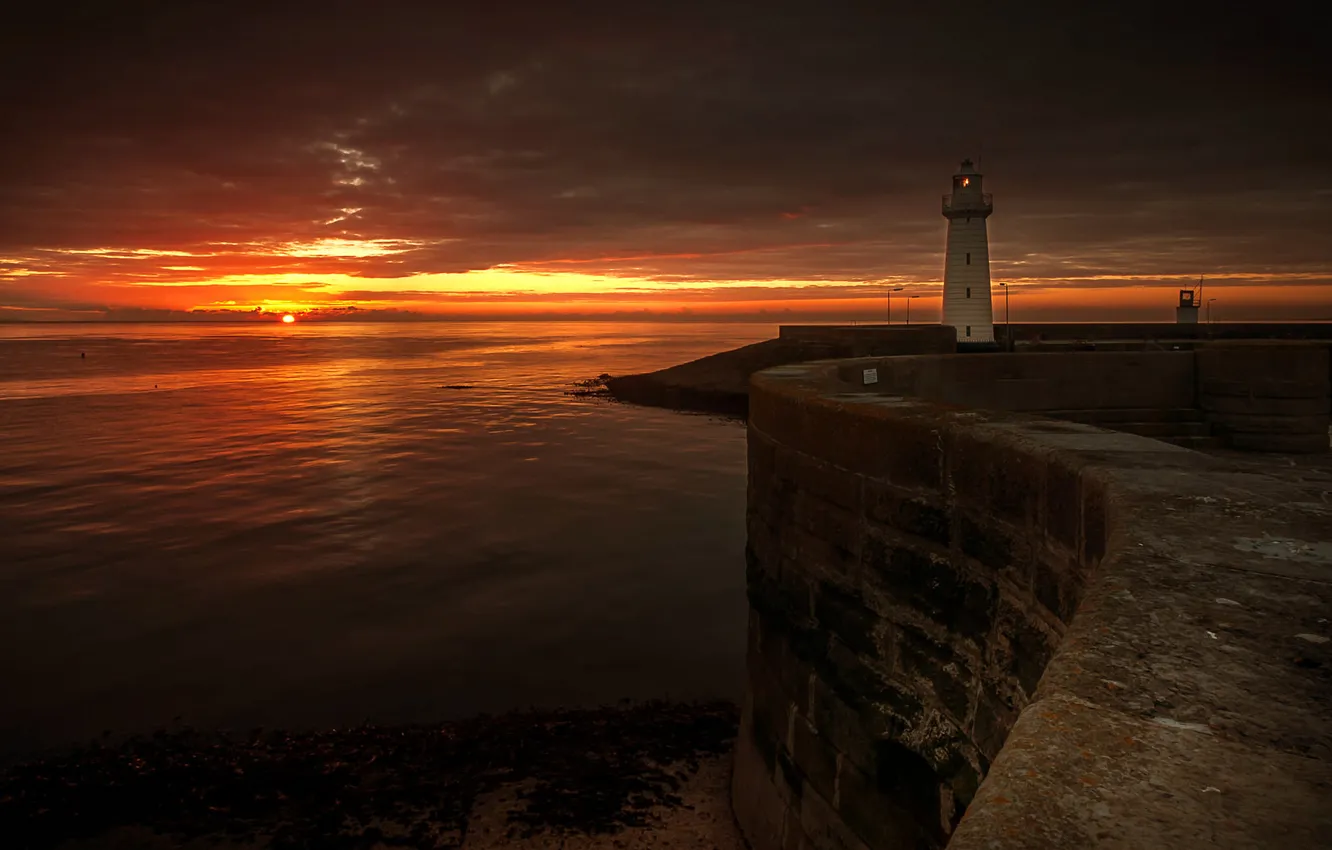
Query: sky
[(169, 160)]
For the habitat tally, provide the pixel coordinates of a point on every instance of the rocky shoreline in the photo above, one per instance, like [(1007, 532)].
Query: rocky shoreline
[(643, 775)]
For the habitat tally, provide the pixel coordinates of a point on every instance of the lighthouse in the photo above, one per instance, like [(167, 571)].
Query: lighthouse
[(966, 298)]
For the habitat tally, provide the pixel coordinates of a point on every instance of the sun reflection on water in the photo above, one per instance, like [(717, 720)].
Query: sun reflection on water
[(246, 526)]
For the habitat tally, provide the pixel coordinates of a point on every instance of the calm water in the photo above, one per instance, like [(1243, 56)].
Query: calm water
[(301, 526)]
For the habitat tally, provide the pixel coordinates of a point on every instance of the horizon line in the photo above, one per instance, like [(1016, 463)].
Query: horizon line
[(645, 319)]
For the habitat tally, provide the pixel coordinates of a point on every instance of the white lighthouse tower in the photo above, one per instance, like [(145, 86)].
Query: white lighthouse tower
[(966, 299)]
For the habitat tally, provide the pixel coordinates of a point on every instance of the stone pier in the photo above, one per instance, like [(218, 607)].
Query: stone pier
[(992, 629)]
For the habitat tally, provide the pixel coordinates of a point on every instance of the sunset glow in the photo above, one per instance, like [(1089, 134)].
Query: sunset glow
[(330, 279), (563, 171)]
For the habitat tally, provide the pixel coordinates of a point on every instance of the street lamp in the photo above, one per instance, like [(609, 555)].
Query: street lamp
[(890, 302), (1209, 310), (1008, 328), (909, 299)]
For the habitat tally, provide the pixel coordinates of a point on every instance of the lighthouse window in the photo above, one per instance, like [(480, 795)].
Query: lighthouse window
[(968, 291), (968, 258), (968, 330)]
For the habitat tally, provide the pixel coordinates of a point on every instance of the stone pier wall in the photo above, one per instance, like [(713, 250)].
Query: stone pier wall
[(719, 383), (1266, 396), (1261, 395), (983, 614), (874, 340), (1027, 332), (1035, 382), (908, 585)]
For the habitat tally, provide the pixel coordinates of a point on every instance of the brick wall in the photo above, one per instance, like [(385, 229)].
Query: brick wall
[(908, 580)]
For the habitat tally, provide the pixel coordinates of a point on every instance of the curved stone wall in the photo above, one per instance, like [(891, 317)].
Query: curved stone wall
[(719, 383), (914, 573)]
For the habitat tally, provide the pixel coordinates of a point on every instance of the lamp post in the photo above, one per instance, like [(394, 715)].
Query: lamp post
[(909, 299), (1209, 310), (890, 302), (1008, 328)]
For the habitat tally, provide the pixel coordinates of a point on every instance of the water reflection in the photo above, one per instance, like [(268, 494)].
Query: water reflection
[(300, 525)]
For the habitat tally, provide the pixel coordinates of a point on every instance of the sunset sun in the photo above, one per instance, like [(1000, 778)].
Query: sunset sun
[(288, 318)]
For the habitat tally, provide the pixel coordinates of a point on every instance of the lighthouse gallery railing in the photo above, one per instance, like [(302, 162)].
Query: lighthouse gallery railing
[(968, 205)]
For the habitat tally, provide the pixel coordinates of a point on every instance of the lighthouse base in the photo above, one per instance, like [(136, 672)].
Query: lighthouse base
[(977, 347)]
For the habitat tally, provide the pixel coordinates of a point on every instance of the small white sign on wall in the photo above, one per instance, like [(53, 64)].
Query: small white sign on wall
[(871, 376)]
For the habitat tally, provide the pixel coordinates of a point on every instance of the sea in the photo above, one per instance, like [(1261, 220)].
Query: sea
[(231, 526)]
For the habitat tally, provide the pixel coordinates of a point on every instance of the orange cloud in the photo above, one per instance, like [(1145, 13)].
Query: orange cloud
[(328, 274)]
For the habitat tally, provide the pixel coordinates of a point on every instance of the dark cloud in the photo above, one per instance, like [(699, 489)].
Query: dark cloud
[(689, 141)]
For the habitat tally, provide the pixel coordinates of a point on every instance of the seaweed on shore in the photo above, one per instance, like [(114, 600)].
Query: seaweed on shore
[(590, 771)]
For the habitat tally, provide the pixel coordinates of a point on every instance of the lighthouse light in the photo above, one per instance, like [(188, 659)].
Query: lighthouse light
[(966, 181)]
